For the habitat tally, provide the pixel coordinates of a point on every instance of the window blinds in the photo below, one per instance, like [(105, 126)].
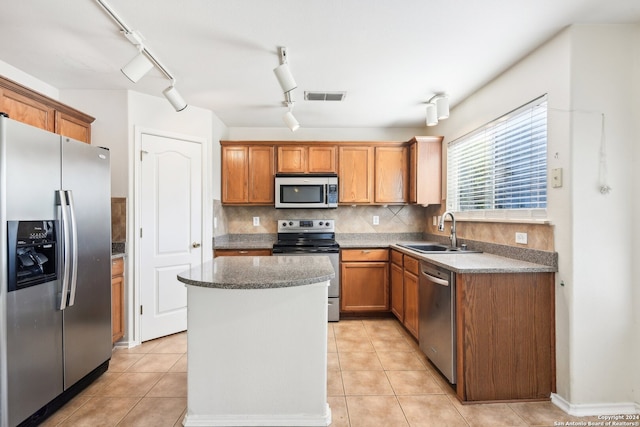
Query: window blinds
[(501, 166)]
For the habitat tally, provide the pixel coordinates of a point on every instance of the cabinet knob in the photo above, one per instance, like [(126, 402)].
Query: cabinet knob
[(195, 245)]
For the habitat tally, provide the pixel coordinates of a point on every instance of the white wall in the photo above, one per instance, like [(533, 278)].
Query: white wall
[(324, 134), (584, 70), (109, 107), (635, 228), (602, 79), (18, 76)]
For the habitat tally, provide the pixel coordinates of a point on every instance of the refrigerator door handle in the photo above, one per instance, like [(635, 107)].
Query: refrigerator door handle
[(62, 200), (74, 247)]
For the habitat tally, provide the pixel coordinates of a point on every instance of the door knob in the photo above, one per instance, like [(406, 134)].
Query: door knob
[(195, 245)]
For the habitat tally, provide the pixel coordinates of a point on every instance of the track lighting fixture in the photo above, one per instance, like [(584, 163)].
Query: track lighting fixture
[(283, 73), (137, 67), (437, 109), (144, 61), (289, 119), (174, 97)]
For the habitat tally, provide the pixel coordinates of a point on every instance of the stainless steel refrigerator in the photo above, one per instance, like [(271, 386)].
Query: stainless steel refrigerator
[(55, 250)]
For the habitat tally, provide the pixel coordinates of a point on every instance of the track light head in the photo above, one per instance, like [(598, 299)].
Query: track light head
[(285, 78), (442, 106), (289, 118), (174, 97), (283, 72), (432, 114), (137, 68)]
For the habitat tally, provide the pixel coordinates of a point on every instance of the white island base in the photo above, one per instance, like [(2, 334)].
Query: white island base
[(257, 357)]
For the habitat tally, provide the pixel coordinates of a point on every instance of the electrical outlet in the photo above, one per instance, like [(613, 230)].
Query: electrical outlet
[(435, 220), (376, 220), (521, 238), (256, 221), (215, 222)]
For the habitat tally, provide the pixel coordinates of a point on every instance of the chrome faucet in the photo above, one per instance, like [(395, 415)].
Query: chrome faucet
[(452, 237)]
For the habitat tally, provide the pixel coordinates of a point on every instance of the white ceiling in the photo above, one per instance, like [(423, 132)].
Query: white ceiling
[(390, 56)]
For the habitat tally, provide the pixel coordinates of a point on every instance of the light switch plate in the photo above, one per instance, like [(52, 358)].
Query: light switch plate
[(256, 221), (376, 220)]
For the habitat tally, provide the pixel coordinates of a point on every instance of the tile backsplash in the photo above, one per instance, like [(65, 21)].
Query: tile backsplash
[(118, 219), (349, 219)]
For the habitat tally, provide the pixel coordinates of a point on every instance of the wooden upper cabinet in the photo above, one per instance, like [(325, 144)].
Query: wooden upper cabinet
[(391, 174), (72, 127), (425, 170), (261, 175), (27, 110), (355, 174), (248, 174), (306, 159), (26, 106), (322, 159)]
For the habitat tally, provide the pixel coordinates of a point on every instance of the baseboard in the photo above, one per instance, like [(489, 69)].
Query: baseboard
[(594, 409), (258, 420)]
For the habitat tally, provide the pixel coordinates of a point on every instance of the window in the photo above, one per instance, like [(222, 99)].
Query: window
[(500, 169)]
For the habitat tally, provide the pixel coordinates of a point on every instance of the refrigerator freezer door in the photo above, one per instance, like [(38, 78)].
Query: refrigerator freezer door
[(32, 345), (87, 323)]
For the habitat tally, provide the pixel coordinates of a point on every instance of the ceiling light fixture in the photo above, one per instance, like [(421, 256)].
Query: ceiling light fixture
[(174, 97), (437, 109), (289, 119), (283, 72), (144, 61), (137, 67)]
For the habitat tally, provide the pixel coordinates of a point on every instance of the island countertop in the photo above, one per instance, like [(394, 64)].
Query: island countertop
[(259, 272)]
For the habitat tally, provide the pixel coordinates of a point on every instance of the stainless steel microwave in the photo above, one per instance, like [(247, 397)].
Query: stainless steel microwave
[(306, 191)]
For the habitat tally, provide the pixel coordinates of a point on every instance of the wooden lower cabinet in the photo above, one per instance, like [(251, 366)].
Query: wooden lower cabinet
[(117, 299), (410, 294), (397, 290), (364, 280), (404, 290), (505, 336), (241, 252)]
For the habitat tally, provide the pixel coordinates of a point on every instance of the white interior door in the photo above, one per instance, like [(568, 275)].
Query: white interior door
[(171, 230)]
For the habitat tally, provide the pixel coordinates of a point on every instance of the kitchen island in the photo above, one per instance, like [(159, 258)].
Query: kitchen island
[(257, 341)]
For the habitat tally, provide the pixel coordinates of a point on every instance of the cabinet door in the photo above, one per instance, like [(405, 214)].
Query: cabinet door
[(261, 175), (27, 110), (292, 159), (356, 174), (117, 299), (391, 174), (397, 291), (72, 127), (411, 303), (235, 174), (365, 286), (425, 166), (321, 159)]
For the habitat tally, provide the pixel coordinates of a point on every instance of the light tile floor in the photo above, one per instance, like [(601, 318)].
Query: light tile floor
[(377, 377)]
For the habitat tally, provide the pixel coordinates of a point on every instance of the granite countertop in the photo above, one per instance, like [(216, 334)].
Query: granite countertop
[(259, 272), (248, 244), (478, 262)]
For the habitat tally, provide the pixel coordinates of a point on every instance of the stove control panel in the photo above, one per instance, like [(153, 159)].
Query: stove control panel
[(305, 225)]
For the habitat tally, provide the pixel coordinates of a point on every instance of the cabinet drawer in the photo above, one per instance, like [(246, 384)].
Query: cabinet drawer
[(411, 264), (396, 257), (365, 254), (117, 267), (242, 252)]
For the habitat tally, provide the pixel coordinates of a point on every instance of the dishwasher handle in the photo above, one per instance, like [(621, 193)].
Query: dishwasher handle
[(435, 280)]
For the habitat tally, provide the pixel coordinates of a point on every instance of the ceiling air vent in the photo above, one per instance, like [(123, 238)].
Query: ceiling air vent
[(324, 96)]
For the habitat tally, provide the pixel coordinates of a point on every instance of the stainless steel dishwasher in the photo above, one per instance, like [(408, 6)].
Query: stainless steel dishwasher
[(437, 331)]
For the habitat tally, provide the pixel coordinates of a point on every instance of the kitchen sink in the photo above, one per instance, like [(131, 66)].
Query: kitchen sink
[(435, 248)]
